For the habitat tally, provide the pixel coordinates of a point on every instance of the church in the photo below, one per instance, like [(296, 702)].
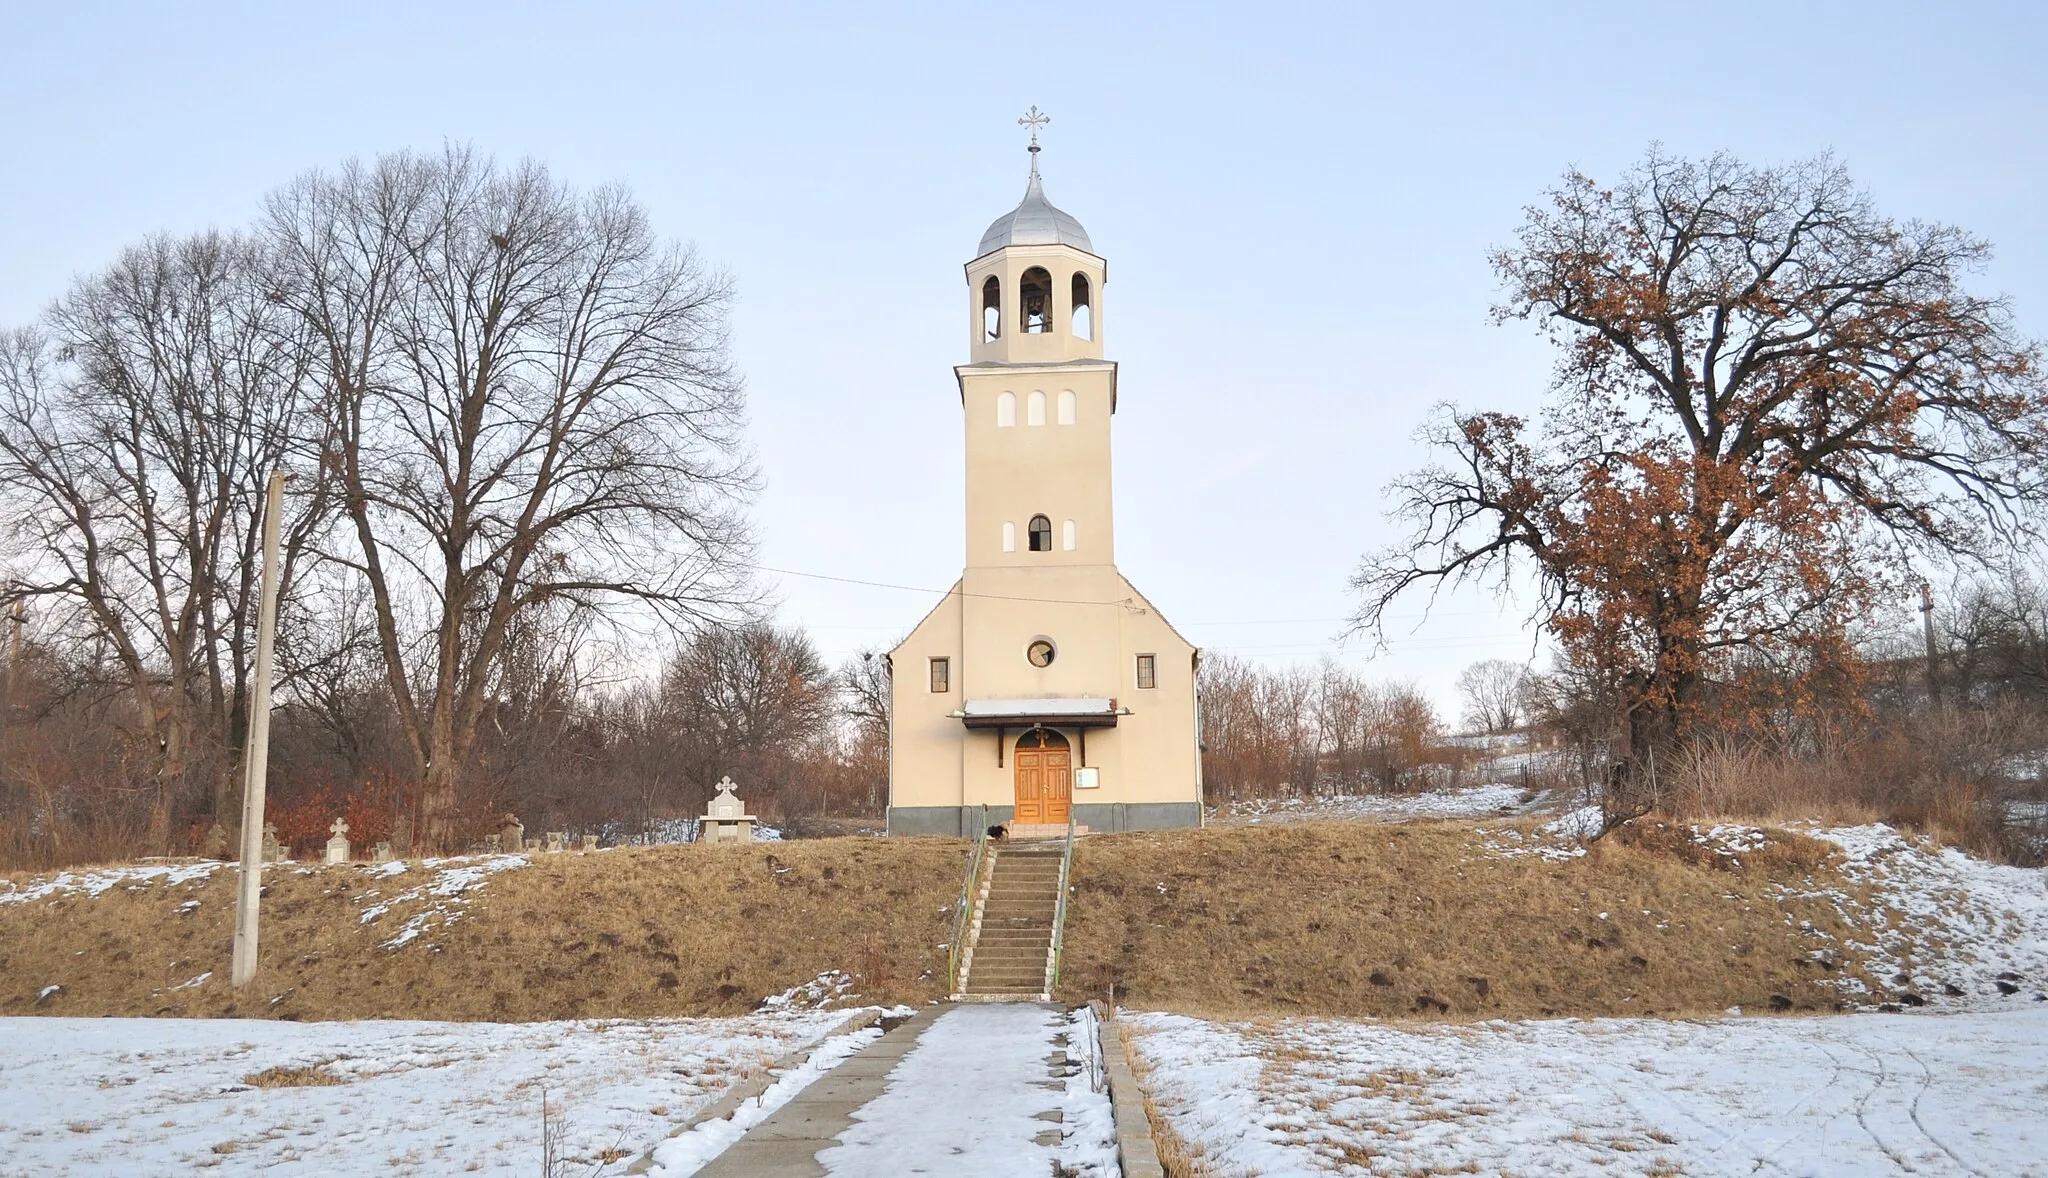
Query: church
[(1043, 686)]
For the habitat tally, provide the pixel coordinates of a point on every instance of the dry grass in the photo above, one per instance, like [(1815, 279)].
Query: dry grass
[(1416, 921), (628, 933), (290, 1077), (1422, 922), (1947, 774)]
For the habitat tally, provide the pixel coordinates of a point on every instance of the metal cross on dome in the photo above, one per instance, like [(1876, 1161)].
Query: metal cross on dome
[(1034, 120)]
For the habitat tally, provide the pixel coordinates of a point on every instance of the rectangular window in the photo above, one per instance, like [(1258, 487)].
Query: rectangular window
[(1148, 675), (942, 676)]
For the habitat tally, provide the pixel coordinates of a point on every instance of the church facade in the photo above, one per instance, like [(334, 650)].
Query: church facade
[(1043, 685)]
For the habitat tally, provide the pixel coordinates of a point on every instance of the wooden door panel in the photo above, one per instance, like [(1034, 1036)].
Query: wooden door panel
[(1030, 786), (1056, 786)]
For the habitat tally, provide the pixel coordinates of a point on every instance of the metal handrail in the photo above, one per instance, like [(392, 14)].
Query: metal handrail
[(954, 948), (1059, 916)]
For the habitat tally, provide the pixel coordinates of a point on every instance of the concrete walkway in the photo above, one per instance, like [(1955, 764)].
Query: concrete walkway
[(960, 1090)]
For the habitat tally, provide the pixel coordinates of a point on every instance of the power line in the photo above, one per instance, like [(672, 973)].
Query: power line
[(943, 592), (1072, 601)]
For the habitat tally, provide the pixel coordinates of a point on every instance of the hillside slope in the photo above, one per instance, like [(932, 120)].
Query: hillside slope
[(1426, 920)]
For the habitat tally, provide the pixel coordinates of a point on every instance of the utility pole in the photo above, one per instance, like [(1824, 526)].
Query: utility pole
[(257, 757), (1933, 657)]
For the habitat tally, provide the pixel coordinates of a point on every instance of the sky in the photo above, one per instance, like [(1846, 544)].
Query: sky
[(1296, 203)]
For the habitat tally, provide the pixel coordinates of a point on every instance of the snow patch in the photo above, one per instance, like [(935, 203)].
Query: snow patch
[(1857, 1094), (447, 891), (1941, 924), (831, 986), (97, 880), (967, 1099), (687, 1152), (1494, 801)]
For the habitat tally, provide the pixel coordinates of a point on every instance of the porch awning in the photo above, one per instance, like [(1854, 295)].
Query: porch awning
[(1029, 713)]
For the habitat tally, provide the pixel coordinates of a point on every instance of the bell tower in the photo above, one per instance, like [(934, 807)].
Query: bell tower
[(1037, 393), (1035, 285)]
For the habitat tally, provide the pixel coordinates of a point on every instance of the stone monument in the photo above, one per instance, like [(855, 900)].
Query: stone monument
[(337, 846), (273, 852), (512, 836), (726, 819), (590, 842)]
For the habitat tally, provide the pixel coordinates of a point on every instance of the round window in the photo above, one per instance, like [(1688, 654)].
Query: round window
[(1040, 653)]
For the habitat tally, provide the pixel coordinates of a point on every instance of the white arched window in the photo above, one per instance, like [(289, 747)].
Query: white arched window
[(1006, 409), (1067, 535), (1034, 409), (1009, 536), (1066, 407)]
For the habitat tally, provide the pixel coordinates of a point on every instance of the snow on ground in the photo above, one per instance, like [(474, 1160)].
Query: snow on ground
[(834, 985), (1492, 801), (446, 885), (92, 881), (147, 1097), (447, 890), (965, 1100), (687, 1152), (1954, 929), (1856, 1095)]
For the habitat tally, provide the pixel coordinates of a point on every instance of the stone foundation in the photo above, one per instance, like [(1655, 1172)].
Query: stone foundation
[(1098, 817)]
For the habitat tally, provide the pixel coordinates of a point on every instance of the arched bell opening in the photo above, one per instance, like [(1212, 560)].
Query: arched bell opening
[(1084, 311), (991, 310), (1034, 302)]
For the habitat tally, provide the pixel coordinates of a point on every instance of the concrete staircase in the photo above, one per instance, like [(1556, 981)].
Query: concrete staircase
[(1009, 941)]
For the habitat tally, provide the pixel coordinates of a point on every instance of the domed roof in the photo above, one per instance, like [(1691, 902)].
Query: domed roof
[(1034, 222)]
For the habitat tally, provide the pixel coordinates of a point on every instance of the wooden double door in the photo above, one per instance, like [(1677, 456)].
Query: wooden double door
[(1045, 777)]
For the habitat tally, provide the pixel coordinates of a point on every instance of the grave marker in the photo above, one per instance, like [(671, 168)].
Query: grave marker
[(337, 846)]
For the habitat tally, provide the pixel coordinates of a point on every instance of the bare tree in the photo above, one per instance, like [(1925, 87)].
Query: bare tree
[(1768, 398), (750, 701), (533, 402), (864, 690), (1493, 690), (1296, 730), (137, 430)]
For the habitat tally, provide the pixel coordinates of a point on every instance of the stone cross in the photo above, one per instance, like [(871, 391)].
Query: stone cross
[(726, 818), (590, 842), (337, 847), (381, 854), (272, 852), (557, 841), (726, 804)]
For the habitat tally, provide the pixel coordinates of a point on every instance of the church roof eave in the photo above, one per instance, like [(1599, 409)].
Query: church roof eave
[(949, 595)]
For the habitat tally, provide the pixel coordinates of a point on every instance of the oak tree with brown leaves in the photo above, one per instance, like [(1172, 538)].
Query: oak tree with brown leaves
[(1769, 400)]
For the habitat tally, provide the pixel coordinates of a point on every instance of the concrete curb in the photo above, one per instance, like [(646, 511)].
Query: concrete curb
[(753, 1086), (1135, 1149)]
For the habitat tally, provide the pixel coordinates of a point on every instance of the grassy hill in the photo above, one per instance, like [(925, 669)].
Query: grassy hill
[(1428, 920)]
